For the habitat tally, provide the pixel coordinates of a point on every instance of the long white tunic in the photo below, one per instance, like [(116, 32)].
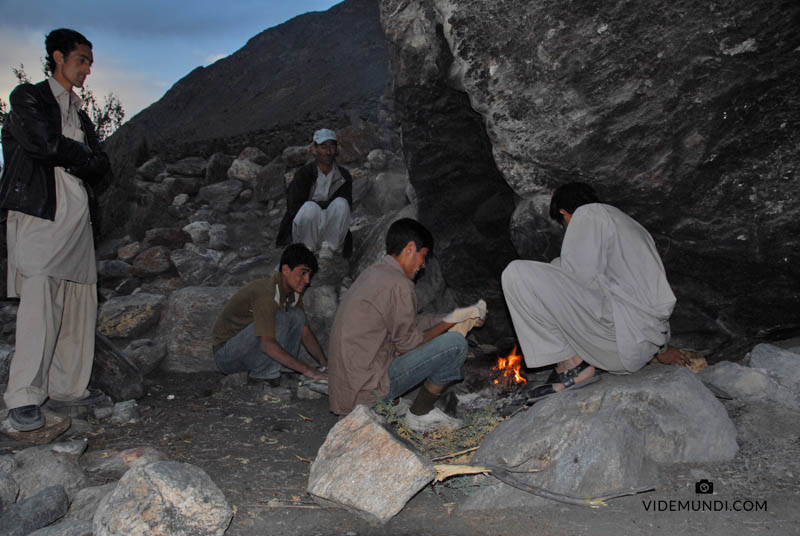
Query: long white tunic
[(63, 248), (605, 299)]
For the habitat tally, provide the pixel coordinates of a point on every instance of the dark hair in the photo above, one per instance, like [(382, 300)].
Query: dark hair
[(406, 230), (569, 197), (297, 254), (65, 41)]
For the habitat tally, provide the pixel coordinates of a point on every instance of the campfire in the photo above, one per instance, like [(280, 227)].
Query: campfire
[(508, 368)]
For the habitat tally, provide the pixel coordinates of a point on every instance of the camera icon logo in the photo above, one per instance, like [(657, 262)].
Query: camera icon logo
[(703, 487)]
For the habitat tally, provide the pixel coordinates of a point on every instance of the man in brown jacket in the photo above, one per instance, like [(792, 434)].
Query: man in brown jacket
[(379, 345)]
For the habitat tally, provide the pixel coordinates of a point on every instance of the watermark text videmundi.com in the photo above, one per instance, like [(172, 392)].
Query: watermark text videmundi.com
[(702, 504)]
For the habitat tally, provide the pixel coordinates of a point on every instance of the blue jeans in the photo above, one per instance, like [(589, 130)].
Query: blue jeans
[(440, 360), (243, 353)]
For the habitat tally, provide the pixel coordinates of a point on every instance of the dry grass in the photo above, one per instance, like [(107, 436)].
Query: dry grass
[(435, 444)]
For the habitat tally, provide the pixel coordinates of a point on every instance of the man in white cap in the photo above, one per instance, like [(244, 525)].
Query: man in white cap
[(318, 202)]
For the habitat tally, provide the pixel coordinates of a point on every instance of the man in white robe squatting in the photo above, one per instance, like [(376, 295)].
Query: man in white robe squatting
[(53, 159), (604, 304)]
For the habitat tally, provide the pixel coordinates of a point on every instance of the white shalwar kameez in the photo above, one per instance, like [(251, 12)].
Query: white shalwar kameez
[(51, 267), (606, 299)]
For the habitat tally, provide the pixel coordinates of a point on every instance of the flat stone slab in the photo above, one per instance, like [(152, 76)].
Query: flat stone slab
[(366, 469), (54, 426)]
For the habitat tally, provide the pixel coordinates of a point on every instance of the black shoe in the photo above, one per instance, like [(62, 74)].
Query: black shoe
[(94, 396), (26, 418)]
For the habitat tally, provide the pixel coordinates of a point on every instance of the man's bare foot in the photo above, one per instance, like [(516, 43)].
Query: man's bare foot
[(570, 364)]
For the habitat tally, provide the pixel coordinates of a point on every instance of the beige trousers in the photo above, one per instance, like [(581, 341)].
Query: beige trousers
[(54, 341)]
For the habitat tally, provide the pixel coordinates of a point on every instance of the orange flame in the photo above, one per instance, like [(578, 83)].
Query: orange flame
[(509, 366)]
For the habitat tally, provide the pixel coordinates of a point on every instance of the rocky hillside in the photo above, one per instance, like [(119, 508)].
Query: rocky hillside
[(683, 114), (322, 67)]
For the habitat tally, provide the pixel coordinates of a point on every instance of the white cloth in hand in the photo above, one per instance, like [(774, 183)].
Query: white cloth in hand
[(465, 313)]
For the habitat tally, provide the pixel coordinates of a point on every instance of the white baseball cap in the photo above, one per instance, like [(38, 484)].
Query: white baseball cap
[(323, 135)]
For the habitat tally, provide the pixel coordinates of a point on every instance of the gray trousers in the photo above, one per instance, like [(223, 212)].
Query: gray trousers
[(556, 318), (243, 353), (54, 341)]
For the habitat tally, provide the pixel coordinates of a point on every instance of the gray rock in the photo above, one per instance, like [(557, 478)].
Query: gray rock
[(251, 263), (536, 94), (114, 269), (146, 354), (129, 252), (211, 254), (150, 169), (198, 230), (606, 436), (129, 316), (112, 463), (255, 155), (218, 237), (86, 501), (34, 512), (126, 286), (6, 353), (73, 448), (296, 155), (220, 195), (170, 237), (246, 167), (193, 268), (152, 262), (247, 251), (9, 490), (163, 498), (180, 200), (125, 412), (269, 182), (8, 463), (41, 468), (369, 241), (320, 303), (783, 365), (107, 249), (192, 166), (377, 159), (186, 326), (365, 468), (433, 296), (217, 169), (750, 384), (387, 193), (113, 371), (69, 527), (183, 185)]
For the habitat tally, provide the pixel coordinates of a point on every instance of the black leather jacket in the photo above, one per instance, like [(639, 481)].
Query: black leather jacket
[(33, 146)]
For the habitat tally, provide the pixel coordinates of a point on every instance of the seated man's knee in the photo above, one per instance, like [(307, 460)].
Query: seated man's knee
[(510, 272), (458, 343), (309, 212), (339, 206)]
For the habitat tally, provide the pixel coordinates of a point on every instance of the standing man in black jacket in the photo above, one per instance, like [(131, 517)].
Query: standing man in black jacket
[(318, 202), (53, 158)]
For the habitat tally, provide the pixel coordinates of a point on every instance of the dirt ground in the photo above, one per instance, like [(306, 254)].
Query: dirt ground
[(256, 443)]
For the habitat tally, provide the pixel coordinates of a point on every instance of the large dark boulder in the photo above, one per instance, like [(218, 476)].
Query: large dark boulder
[(683, 114)]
